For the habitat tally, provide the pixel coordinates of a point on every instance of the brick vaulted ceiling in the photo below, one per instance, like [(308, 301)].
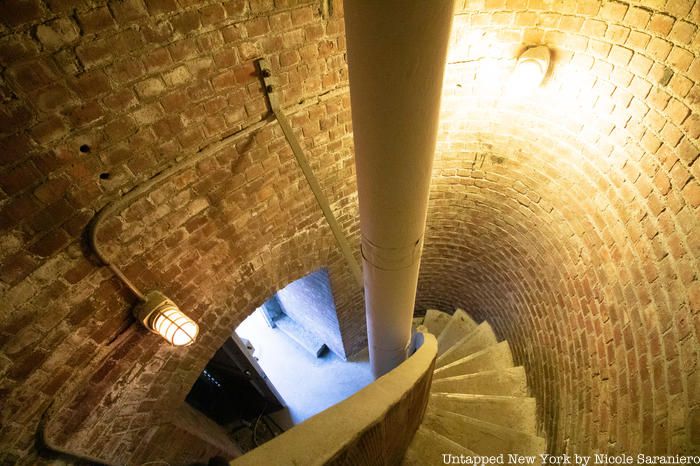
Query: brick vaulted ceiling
[(567, 216)]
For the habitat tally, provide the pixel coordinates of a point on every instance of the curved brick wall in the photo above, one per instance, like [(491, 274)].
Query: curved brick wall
[(568, 219), (144, 84)]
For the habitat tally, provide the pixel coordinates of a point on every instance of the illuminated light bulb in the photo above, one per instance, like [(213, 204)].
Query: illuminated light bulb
[(162, 316), (531, 68)]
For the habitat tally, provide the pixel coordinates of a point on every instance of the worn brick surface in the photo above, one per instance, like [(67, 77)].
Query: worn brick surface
[(568, 218), (101, 96)]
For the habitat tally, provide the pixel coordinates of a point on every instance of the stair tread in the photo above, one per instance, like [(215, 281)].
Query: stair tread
[(435, 321), (497, 356), (427, 447), (305, 338), (482, 437), (480, 338), (478, 399), (459, 325), (510, 381), (481, 397), (515, 412)]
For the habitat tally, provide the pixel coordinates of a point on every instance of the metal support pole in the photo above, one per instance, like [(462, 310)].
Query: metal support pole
[(396, 55)]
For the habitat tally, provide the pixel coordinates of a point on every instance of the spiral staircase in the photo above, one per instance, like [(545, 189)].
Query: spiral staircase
[(458, 394), (479, 403)]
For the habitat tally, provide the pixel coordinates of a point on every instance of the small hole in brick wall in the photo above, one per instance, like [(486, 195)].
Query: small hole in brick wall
[(84, 148), (104, 176)]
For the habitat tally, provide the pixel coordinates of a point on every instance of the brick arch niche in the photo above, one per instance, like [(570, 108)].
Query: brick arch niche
[(568, 217)]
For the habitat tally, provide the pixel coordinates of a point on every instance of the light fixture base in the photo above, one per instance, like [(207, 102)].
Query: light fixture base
[(145, 310)]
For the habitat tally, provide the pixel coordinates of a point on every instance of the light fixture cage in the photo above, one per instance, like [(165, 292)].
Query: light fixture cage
[(532, 66), (161, 315)]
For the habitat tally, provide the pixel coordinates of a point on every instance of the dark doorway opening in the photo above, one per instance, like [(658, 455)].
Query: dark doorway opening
[(230, 388)]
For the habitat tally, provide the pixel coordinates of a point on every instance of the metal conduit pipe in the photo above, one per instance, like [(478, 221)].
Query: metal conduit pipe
[(396, 56)]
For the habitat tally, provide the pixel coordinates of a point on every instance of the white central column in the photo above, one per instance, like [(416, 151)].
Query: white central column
[(396, 56)]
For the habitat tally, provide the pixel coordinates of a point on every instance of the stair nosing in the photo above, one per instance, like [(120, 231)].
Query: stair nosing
[(480, 373), (471, 356), (479, 396), (489, 425)]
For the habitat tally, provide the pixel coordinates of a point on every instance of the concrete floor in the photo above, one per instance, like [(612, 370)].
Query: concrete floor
[(308, 384)]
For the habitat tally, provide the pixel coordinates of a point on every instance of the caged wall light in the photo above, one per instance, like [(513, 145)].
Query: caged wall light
[(162, 316), (531, 68)]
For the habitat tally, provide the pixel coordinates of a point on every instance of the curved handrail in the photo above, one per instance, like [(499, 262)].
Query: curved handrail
[(372, 427)]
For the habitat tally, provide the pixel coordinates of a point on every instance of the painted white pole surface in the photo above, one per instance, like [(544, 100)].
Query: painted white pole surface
[(396, 55)]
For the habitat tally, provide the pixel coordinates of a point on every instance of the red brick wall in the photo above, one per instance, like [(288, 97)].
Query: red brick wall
[(144, 85), (568, 219)]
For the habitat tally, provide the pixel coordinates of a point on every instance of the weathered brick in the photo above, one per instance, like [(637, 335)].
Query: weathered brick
[(659, 48), (613, 11), (157, 59), (678, 8), (158, 7), (17, 12), (236, 8), (680, 58), (50, 243), (682, 32), (224, 80), (691, 193), (120, 100), (186, 22), (637, 40), (150, 87), (177, 76), (261, 6), (96, 21), (661, 24), (32, 76), (103, 51), (637, 17), (90, 84), (126, 11), (57, 33), (620, 55), (212, 14), (86, 114), (19, 178)]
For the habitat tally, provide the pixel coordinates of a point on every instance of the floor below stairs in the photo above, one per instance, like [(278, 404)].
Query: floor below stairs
[(307, 384)]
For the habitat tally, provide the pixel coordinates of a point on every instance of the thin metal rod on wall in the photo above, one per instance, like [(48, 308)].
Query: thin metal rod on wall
[(341, 240)]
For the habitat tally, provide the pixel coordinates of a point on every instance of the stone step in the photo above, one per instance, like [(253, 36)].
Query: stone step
[(305, 338), (515, 412), (507, 382), (481, 338), (427, 448), (435, 321), (497, 356), (483, 438), (458, 327)]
